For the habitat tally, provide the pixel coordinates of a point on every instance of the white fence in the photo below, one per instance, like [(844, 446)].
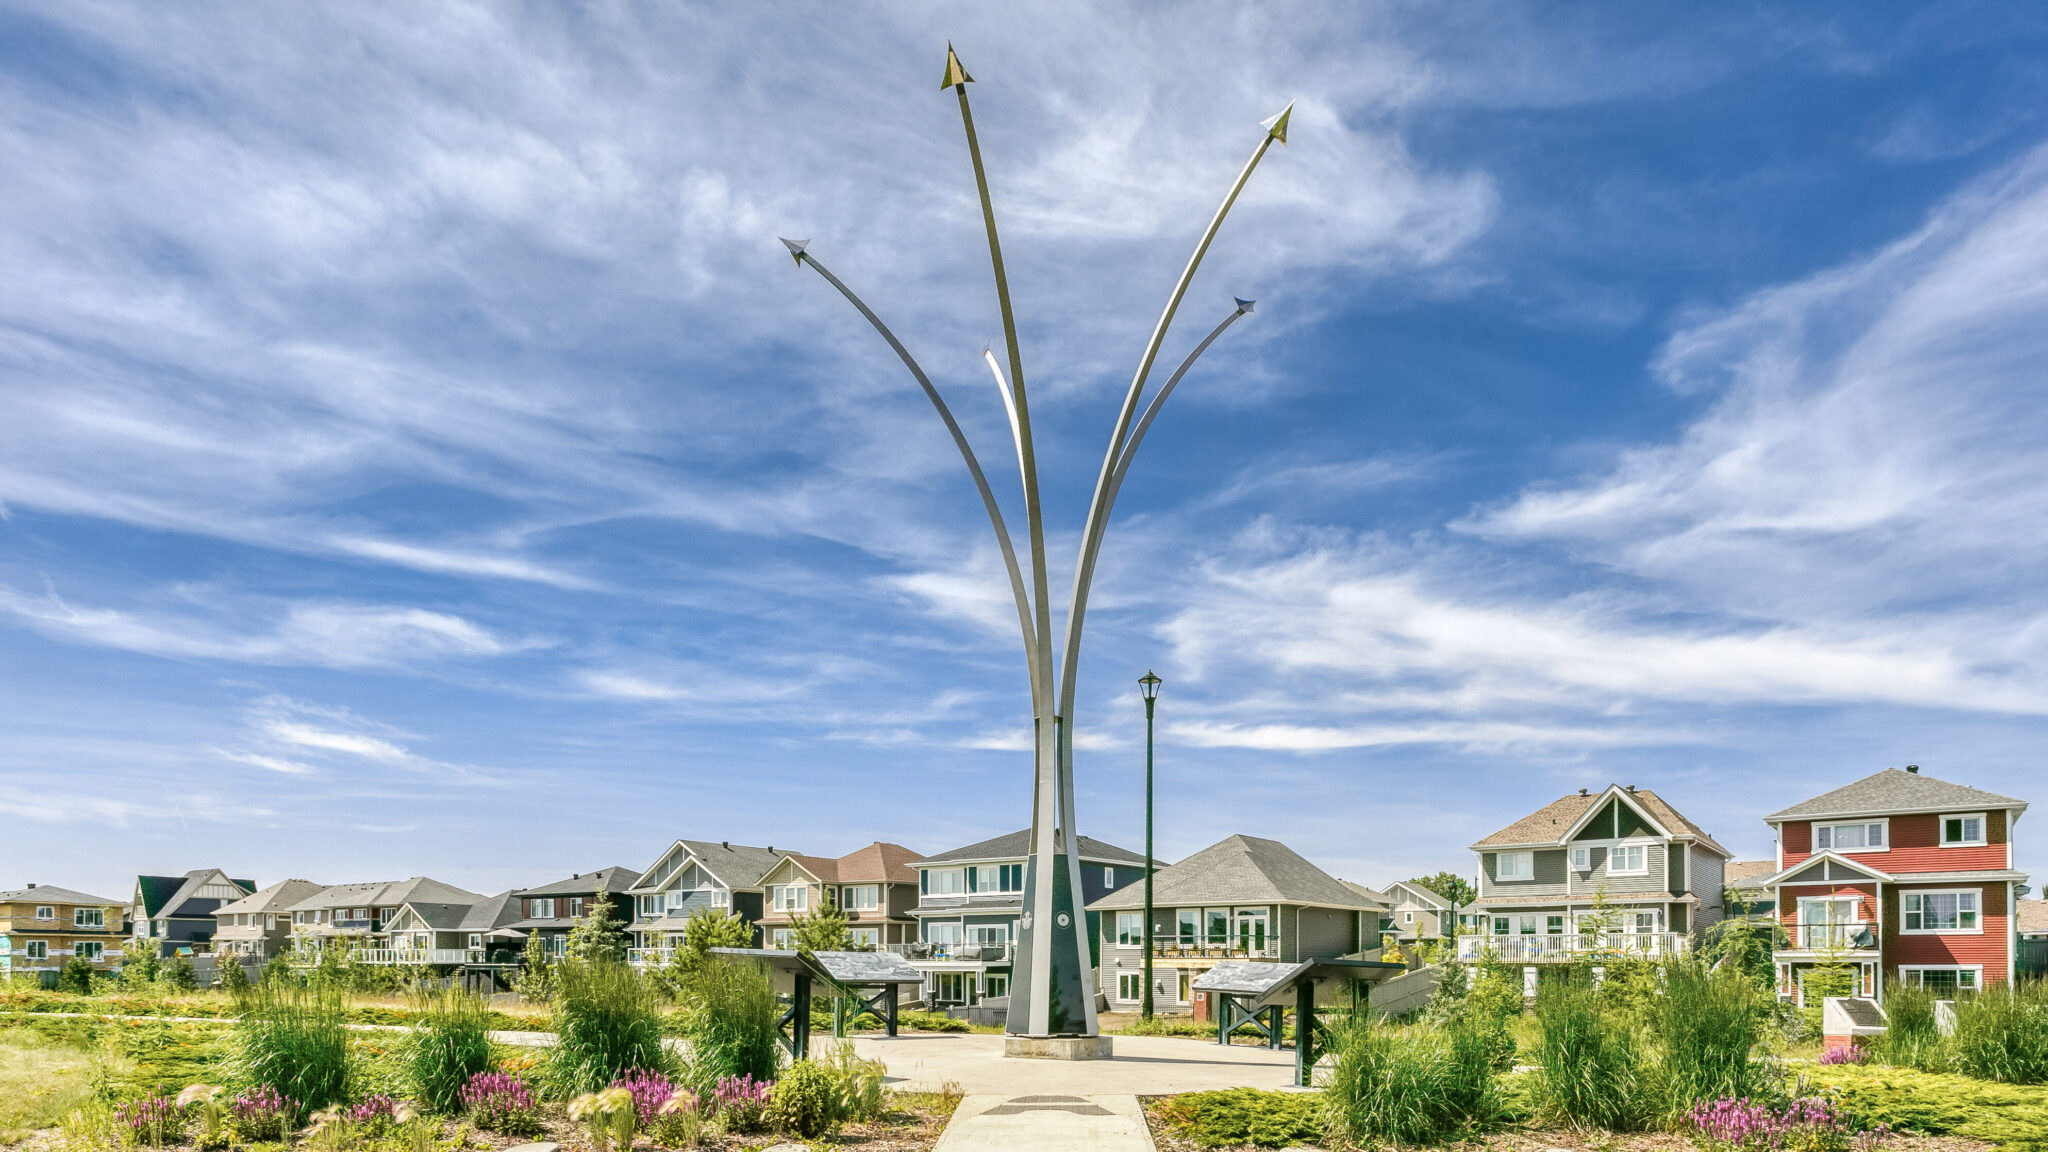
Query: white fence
[(1565, 946)]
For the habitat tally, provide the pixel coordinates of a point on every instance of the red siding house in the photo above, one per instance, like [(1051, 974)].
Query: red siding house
[(1902, 876)]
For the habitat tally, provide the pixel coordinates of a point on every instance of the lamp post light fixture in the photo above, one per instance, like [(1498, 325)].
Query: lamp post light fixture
[(1052, 986), (1148, 687)]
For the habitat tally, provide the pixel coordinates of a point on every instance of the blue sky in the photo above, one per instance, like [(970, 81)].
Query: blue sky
[(419, 457)]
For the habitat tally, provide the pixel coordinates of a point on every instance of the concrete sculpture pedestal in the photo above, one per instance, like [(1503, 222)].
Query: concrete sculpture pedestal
[(1057, 1047)]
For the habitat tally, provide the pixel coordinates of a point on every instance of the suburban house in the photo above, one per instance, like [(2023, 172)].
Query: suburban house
[(875, 887), (1901, 876), (360, 915), (176, 913), (1414, 913), (553, 909), (1743, 891), (968, 904), (427, 929), (693, 874), (1242, 898), (259, 925), (1592, 873), (41, 927)]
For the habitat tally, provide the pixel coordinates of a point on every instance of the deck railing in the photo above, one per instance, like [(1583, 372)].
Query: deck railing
[(419, 955), (970, 953), (1826, 937), (1180, 948), (649, 957), (1563, 946)]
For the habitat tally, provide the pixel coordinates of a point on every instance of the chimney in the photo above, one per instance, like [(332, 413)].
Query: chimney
[(1913, 768)]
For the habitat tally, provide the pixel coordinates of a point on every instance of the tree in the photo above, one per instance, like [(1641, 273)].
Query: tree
[(139, 962), (1745, 942), (598, 936), (537, 971), (709, 928), (177, 975), (75, 976), (1448, 885), (228, 974), (823, 929)]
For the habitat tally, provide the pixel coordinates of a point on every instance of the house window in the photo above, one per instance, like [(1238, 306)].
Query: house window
[(88, 918), (652, 905), (995, 985), (1858, 837), (783, 938), (1582, 859), (867, 938), (1514, 866), (862, 898), (1407, 917), (1500, 925), (1628, 860), (791, 897), (988, 935), (541, 909), (1554, 925), (1966, 828), (1941, 912), (942, 931), (1108, 877), (1646, 923), (476, 939), (1218, 927), (575, 907), (1130, 928), (946, 882), (1944, 982), (1130, 985), (1010, 878), (953, 987), (39, 949), (1187, 924), (45, 912)]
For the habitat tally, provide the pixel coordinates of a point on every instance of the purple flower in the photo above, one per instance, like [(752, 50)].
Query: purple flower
[(650, 1091)]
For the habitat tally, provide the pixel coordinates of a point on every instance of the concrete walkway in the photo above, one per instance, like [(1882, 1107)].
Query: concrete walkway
[(1047, 1122), (1143, 1066)]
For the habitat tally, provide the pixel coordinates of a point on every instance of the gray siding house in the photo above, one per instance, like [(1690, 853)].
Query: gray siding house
[(693, 874), (1242, 898), (554, 909), (969, 901), (1595, 872), (259, 925), (176, 913)]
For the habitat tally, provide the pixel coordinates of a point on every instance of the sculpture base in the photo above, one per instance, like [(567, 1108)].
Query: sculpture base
[(1057, 1047)]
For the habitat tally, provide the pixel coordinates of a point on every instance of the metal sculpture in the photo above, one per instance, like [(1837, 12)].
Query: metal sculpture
[(1051, 987)]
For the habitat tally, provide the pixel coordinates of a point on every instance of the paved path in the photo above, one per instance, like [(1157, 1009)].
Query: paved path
[(1143, 1066), (1047, 1122)]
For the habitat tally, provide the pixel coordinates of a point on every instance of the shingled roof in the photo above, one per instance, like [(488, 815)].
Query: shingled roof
[(612, 879), (1017, 845), (1895, 790), (51, 894), (1747, 871), (1548, 824), (1241, 870), (277, 897)]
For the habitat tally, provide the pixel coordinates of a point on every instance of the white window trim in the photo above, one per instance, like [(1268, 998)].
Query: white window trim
[(28, 949), (1137, 920), (1582, 858), (1622, 846), (1983, 830), (46, 912), (1500, 858), (1813, 836), (1977, 931), (83, 918), (1130, 980), (1976, 968)]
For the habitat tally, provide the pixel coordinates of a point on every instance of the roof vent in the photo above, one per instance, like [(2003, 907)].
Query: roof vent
[(1913, 768), (31, 885), (771, 848), (725, 844), (1582, 791), (1630, 788)]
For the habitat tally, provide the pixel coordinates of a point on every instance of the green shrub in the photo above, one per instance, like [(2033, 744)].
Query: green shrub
[(139, 964), (607, 1023), (1629, 987), (75, 976), (2014, 1117), (860, 1083), (1821, 982), (1496, 991), (1418, 1085), (2002, 1034), (295, 1040), (930, 1022), (1592, 1070), (1710, 1023), (806, 1100), (449, 1045), (1243, 1116), (1910, 1039), (178, 975), (228, 974), (728, 1014)]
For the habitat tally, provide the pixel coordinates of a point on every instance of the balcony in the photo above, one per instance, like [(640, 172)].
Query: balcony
[(1834, 938), (972, 953), (419, 955), (649, 957), (1562, 947), (1177, 948)]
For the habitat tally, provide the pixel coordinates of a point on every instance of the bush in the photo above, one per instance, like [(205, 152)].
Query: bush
[(2014, 1117), (938, 1022), (1496, 992), (806, 1100), (1243, 1116), (1592, 1072), (501, 1102), (1419, 1085), (294, 1041), (860, 1083), (178, 975), (607, 1023), (1821, 982), (139, 964), (1910, 1039), (449, 1045), (2002, 1034), (729, 1015), (1710, 1023), (75, 976)]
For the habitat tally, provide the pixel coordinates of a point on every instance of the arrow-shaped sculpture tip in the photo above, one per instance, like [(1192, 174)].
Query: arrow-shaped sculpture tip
[(796, 247), (956, 73), (1244, 305), (1276, 126)]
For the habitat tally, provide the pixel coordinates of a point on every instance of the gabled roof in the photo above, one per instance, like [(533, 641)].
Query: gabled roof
[(1421, 894), (276, 898), (1380, 899), (879, 863), (491, 912), (188, 889), (385, 894), (818, 867), (1747, 872), (1556, 821), (445, 917), (1894, 790), (733, 865), (1017, 845), (1826, 867), (614, 879), (1241, 870), (51, 894), (154, 892)]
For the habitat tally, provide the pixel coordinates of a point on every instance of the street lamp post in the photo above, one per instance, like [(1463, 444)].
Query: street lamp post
[(1148, 686)]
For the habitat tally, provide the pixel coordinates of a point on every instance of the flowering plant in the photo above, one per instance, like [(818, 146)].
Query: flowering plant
[(741, 1103), (153, 1120), (501, 1102), (650, 1090), (678, 1123), (1847, 1054), (1807, 1124), (261, 1114)]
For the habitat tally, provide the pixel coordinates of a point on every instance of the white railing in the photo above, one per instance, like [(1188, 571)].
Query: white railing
[(1529, 949), (1826, 937), (649, 957), (955, 953), (1176, 948), (418, 955)]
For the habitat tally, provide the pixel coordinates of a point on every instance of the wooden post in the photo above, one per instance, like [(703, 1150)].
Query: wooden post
[(1304, 1032)]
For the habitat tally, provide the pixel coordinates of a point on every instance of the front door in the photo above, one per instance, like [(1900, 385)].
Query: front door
[(1251, 931)]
